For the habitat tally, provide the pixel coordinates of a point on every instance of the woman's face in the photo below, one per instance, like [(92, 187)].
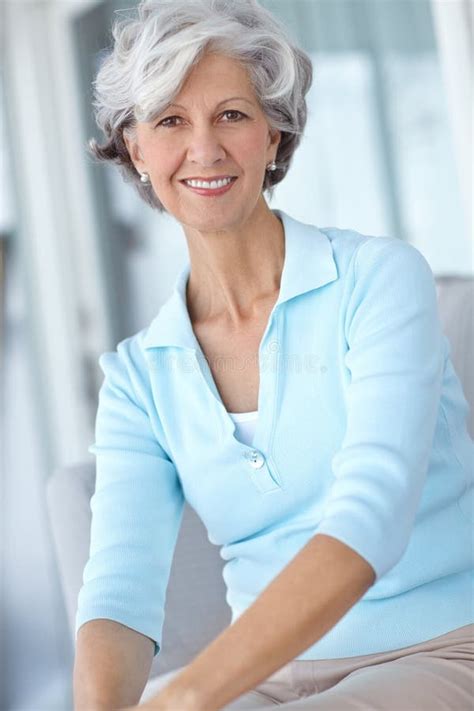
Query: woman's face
[(218, 129)]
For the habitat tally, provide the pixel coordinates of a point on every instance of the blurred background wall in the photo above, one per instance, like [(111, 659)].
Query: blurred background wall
[(84, 263)]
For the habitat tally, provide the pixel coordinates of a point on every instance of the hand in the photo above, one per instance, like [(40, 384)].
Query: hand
[(157, 705), (166, 701)]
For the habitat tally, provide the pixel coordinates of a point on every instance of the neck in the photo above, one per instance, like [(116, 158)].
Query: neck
[(234, 272)]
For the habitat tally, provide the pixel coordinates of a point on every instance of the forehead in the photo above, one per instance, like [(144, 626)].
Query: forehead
[(216, 76)]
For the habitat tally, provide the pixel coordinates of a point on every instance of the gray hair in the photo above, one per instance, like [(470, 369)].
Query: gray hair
[(154, 53)]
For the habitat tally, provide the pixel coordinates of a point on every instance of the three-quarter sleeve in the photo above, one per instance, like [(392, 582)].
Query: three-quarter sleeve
[(136, 508), (395, 359)]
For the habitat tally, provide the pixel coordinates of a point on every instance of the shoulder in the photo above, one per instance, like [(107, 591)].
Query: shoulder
[(365, 256), (126, 367)]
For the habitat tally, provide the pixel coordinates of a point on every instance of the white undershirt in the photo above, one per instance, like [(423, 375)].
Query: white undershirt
[(245, 424)]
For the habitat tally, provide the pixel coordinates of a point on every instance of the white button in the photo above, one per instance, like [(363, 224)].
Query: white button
[(255, 458)]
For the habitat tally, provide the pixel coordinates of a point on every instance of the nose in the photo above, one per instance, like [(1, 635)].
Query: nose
[(205, 146)]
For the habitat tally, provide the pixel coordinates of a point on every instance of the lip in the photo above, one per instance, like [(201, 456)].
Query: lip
[(207, 192), (208, 180)]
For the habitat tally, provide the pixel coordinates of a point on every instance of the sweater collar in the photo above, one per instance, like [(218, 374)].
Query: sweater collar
[(309, 264)]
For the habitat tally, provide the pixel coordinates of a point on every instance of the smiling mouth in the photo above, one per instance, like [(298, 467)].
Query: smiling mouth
[(216, 183), (199, 188)]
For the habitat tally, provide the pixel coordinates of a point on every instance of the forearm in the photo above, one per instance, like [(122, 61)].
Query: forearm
[(308, 597), (111, 666)]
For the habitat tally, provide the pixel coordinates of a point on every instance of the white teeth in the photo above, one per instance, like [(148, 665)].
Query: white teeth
[(208, 185)]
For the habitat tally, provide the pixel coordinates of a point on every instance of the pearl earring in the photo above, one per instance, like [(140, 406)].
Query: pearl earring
[(272, 166), (144, 177)]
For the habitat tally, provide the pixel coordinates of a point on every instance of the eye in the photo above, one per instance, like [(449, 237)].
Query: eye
[(168, 118), (234, 111), (165, 122)]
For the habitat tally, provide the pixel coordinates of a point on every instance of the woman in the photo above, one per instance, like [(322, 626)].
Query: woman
[(343, 510)]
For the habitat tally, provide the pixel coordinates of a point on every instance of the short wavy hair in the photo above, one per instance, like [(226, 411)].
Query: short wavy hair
[(153, 54)]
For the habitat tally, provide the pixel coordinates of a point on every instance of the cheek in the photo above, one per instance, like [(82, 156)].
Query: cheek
[(253, 149), (166, 169), (164, 160), (250, 157)]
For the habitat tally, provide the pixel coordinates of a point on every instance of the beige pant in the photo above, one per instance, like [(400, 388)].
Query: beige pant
[(430, 676)]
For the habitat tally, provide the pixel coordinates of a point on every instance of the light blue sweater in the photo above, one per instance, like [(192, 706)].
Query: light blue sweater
[(361, 435)]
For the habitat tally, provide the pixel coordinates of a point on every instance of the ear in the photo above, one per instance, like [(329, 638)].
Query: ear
[(134, 153), (275, 138)]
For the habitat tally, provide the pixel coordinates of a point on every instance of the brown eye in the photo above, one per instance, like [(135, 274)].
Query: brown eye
[(234, 111), (169, 121), (168, 118)]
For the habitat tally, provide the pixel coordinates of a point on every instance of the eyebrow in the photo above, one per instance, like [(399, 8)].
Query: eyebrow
[(224, 101)]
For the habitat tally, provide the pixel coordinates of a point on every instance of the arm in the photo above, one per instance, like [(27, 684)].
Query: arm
[(111, 666), (283, 621), (136, 513)]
